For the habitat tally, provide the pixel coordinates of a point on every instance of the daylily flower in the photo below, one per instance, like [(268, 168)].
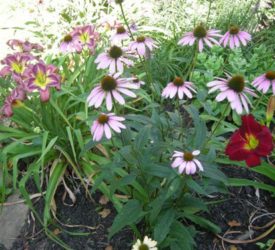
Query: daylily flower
[(104, 124), (13, 100), (186, 162), (24, 46), (146, 244), (87, 36), (250, 142), (235, 37), (16, 64), (202, 35), (42, 77)]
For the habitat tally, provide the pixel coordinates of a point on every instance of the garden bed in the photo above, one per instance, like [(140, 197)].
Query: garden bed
[(232, 212)]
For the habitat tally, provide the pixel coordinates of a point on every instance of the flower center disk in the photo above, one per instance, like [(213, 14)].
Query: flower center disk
[(200, 32), (143, 247), (234, 30), (141, 39), (120, 30), (68, 38), (115, 52), (236, 83), (270, 75), (188, 156), (178, 81), (251, 142), (108, 83), (102, 119)]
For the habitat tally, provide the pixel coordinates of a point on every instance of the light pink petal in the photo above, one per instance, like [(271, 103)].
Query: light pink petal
[(182, 167), (118, 97), (207, 42), (200, 45), (109, 101), (141, 49), (99, 100), (196, 152), (107, 131), (244, 103), (98, 133), (127, 92), (178, 161), (198, 164), (188, 168), (192, 167), (231, 42)]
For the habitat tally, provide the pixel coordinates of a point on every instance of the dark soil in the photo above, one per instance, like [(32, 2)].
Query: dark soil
[(240, 205), (84, 213)]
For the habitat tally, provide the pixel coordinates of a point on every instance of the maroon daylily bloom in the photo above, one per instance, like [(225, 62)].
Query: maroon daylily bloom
[(24, 46), (250, 142), (41, 77)]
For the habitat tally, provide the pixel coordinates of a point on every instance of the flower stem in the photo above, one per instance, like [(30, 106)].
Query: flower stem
[(219, 121), (216, 125), (209, 9), (126, 22), (259, 101), (193, 64)]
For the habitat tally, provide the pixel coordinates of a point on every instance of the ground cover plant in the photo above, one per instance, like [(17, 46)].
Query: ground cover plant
[(144, 117)]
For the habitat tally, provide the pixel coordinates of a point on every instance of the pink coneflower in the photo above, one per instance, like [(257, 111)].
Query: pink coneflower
[(111, 88), (180, 87), (186, 162), (234, 90), (41, 77), (114, 59), (120, 34), (87, 36), (141, 44), (104, 124), (24, 46), (263, 82), (13, 100), (235, 37), (202, 35), (70, 44), (136, 81)]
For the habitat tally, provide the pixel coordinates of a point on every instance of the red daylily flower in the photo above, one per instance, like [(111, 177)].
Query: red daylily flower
[(250, 142)]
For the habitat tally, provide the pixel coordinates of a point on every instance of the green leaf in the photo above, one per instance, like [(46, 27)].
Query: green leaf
[(142, 137), (200, 126), (130, 214), (235, 182), (163, 224), (57, 172), (195, 186), (203, 222), (182, 236)]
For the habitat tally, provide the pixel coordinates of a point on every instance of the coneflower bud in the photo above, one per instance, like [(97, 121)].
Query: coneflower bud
[(270, 110)]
